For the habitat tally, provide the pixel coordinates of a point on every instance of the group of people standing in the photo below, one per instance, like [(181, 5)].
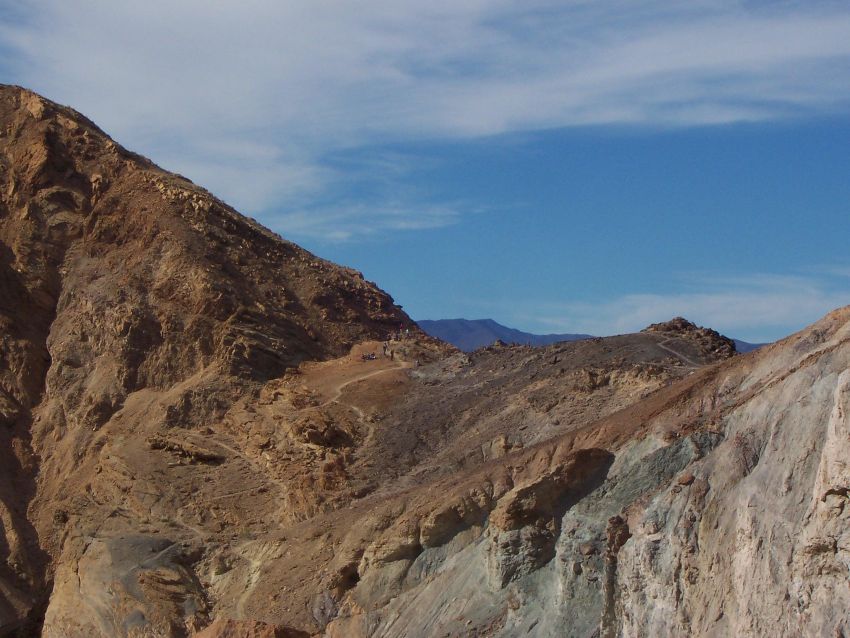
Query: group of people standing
[(402, 335)]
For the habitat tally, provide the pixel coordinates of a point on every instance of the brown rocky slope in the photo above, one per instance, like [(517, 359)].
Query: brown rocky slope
[(119, 281), (192, 444)]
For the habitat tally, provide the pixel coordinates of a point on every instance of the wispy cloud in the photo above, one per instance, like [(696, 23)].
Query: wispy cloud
[(251, 98), (757, 307), (357, 220)]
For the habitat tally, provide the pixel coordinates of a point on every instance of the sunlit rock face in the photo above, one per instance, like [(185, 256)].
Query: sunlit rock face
[(196, 440)]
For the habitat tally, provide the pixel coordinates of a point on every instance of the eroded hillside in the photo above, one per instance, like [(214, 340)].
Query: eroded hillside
[(128, 294), (192, 442)]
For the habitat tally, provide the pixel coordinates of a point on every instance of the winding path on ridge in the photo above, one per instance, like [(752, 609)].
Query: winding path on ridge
[(339, 388), (336, 391), (691, 363)]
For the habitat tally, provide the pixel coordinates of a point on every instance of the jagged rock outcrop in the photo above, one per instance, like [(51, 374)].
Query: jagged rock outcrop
[(704, 340)]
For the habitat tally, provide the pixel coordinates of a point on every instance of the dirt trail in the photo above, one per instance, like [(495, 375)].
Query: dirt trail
[(691, 363), (337, 393), (330, 379)]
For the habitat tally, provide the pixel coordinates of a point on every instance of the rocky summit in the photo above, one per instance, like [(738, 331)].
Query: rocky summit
[(207, 431)]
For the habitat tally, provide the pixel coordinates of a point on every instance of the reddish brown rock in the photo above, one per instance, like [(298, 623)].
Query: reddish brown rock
[(189, 430)]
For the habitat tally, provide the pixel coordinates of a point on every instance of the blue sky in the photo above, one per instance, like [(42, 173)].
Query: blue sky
[(570, 166)]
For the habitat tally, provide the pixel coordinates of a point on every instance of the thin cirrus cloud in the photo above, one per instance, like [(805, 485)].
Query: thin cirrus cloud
[(253, 98), (754, 307), (351, 221)]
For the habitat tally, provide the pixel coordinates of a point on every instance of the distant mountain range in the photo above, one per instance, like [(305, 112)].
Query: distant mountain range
[(743, 346), (471, 334)]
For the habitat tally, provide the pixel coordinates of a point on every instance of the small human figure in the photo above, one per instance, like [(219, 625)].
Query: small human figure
[(392, 355)]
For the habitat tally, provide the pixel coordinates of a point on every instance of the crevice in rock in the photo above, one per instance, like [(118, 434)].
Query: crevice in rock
[(617, 534)]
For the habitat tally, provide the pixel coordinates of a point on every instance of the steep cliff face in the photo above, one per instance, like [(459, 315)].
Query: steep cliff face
[(193, 443), (758, 541)]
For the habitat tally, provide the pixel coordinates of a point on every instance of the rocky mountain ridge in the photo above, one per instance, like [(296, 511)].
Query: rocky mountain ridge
[(470, 334), (197, 440), (118, 280)]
